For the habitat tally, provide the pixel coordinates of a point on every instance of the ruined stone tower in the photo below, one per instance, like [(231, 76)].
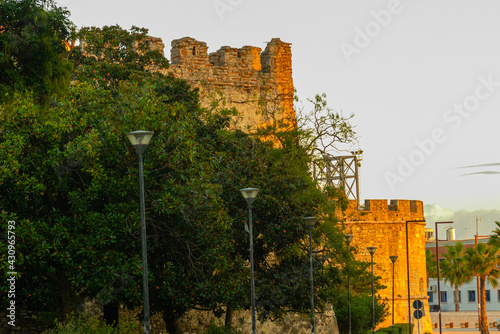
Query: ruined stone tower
[(383, 226), (259, 84)]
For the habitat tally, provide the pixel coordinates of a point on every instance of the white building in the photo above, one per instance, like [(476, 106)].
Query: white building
[(468, 296), (468, 292)]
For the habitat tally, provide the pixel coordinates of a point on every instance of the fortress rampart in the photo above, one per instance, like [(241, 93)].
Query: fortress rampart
[(383, 225), (258, 83)]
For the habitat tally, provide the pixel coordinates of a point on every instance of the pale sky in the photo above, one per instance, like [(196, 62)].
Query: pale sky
[(421, 77)]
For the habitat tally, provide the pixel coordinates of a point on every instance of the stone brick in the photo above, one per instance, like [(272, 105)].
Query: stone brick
[(259, 84), (383, 225)]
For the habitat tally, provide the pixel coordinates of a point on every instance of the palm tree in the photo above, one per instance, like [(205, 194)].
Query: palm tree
[(454, 269), (430, 263), (482, 260), (495, 238)]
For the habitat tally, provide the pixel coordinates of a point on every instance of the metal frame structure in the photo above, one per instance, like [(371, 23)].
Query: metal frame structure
[(339, 172)]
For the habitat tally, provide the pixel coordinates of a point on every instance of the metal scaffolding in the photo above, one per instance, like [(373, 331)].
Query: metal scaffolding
[(339, 172)]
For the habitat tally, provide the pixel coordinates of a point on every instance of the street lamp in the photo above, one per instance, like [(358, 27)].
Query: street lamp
[(250, 194), (310, 222), (140, 140), (437, 264), (393, 260), (372, 250), (348, 239)]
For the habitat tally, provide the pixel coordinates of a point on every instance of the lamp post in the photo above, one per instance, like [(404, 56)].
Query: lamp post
[(437, 265), (310, 222), (393, 260), (140, 140), (348, 239), (372, 250), (250, 194)]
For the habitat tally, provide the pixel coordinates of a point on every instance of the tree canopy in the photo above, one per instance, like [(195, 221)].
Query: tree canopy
[(455, 270), (482, 260), (68, 177), (33, 47)]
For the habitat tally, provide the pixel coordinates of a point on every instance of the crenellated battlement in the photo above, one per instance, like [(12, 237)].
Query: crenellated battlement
[(256, 82), (381, 210), (188, 51), (390, 226)]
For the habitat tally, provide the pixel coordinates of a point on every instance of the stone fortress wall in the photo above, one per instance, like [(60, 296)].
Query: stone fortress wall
[(383, 225), (258, 83)]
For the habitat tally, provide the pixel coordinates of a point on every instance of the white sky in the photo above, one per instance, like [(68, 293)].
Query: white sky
[(402, 83)]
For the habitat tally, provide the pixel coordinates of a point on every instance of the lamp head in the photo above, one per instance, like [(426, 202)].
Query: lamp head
[(371, 250), (310, 221), (249, 194), (393, 258), (348, 238), (140, 139)]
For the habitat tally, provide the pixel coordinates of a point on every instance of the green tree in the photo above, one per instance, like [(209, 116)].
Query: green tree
[(361, 312), (110, 55), (494, 239), (430, 264), (69, 178), (482, 260), (455, 270), (33, 49)]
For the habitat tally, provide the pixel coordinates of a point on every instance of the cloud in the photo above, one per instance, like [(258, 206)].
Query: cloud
[(481, 165), (488, 172), (435, 212)]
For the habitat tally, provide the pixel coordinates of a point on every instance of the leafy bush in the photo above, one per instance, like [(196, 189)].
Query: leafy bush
[(361, 312), (91, 324)]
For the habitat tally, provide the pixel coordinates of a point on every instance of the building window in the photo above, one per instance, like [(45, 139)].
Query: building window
[(444, 297), (488, 297), (472, 296), (431, 296)]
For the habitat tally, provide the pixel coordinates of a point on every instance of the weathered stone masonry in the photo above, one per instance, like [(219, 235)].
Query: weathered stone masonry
[(259, 84), (383, 225)]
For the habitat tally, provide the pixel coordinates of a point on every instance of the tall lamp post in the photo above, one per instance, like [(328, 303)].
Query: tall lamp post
[(310, 222), (393, 260), (348, 239), (250, 194), (372, 250), (140, 140), (437, 265)]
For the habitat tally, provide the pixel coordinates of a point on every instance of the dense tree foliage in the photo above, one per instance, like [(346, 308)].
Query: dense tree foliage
[(69, 178), (494, 239), (482, 260), (430, 265), (455, 270), (33, 49)]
